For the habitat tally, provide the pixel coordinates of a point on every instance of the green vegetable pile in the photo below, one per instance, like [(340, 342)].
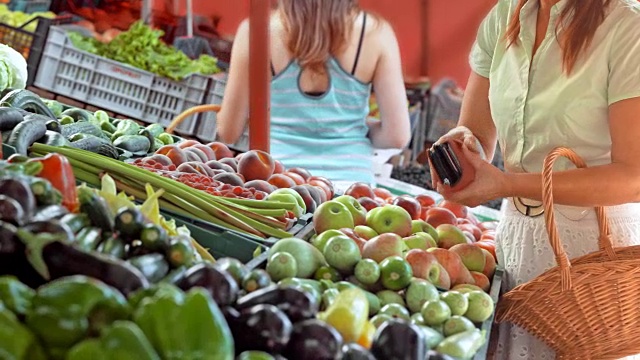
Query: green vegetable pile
[(18, 18), (142, 47)]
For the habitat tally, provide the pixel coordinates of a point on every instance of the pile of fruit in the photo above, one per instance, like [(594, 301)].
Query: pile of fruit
[(432, 273)]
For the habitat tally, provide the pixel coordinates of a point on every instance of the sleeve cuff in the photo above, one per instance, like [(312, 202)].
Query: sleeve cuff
[(626, 96)]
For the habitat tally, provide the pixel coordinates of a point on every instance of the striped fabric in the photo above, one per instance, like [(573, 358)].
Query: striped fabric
[(326, 134)]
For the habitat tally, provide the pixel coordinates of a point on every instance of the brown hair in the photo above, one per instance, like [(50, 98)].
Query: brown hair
[(317, 29), (586, 16)]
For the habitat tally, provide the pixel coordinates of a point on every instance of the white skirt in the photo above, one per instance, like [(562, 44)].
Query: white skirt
[(523, 249)]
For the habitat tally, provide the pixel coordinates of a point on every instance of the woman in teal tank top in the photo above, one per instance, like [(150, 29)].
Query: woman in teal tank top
[(326, 56)]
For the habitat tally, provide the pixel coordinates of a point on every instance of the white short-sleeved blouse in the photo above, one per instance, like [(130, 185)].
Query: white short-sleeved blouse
[(535, 105)]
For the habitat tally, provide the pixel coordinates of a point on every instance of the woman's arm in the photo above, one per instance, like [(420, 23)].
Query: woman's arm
[(393, 131), (232, 118), (605, 185)]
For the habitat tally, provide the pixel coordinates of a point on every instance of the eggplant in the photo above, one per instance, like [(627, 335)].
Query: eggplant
[(65, 260), (297, 304), (222, 287), (262, 327), (434, 355), (9, 118), (314, 340), (231, 314), (399, 340), (353, 351), (11, 211), (13, 259), (51, 227), (19, 190), (49, 212)]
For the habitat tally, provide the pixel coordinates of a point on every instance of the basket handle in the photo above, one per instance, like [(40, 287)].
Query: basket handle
[(194, 110), (550, 221)]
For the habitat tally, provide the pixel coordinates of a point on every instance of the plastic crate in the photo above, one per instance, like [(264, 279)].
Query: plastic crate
[(207, 127), (30, 44), (120, 88), (29, 6)]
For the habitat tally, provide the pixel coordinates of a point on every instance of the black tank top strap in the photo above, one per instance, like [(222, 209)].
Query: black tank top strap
[(273, 70), (364, 26)]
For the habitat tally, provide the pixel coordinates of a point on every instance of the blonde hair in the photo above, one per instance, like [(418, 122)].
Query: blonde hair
[(317, 29)]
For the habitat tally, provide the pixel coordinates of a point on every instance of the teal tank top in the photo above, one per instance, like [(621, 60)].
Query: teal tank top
[(325, 134)]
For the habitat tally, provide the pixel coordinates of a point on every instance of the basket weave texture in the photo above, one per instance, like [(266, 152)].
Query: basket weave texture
[(584, 308)]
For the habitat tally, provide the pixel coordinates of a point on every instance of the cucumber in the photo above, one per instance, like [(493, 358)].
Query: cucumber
[(49, 212), (76, 222), (9, 118), (26, 100), (180, 252), (89, 238), (87, 142), (175, 275), (125, 127), (82, 127), (154, 237), (153, 266), (129, 223), (53, 125), (79, 115), (102, 116), (66, 120), (166, 139), (25, 134), (53, 138), (55, 107), (155, 129), (133, 143), (108, 127), (112, 246), (96, 208), (44, 192), (150, 137), (109, 151)]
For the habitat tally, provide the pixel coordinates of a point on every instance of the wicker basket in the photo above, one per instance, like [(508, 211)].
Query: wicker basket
[(586, 308)]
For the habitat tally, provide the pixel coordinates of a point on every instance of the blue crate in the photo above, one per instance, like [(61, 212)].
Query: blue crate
[(30, 6)]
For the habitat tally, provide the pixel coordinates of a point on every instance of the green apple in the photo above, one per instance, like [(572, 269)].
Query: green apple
[(365, 232), (358, 212), (423, 226), (285, 197), (420, 240), (390, 219), (321, 240), (332, 215), (295, 194)]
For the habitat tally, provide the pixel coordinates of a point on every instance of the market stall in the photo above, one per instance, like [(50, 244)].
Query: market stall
[(124, 235)]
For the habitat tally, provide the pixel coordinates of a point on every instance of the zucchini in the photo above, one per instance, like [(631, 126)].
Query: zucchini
[(166, 139), (53, 138), (53, 125), (76, 222), (155, 129), (153, 266), (66, 120), (9, 118), (87, 142), (26, 100), (108, 127), (124, 155), (25, 134), (96, 207), (49, 212), (101, 116), (154, 237), (44, 192), (109, 151), (152, 140), (79, 115), (81, 128), (180, 252), (89, 238), (133, 143), (126, 127), (112, 246), (129, 223)]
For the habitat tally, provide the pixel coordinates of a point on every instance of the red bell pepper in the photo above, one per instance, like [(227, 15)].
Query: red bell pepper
[(58, 170)]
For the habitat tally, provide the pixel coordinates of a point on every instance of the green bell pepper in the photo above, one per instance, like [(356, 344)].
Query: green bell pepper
[(17, 342), (15, 295), (185, 326), (121, 341), (68, 310)]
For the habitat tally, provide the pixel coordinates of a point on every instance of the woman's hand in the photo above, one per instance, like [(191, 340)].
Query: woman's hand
[(463, 134), (489, 183)]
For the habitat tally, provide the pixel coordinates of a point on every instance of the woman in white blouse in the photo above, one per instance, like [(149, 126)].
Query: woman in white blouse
[(549, 73)]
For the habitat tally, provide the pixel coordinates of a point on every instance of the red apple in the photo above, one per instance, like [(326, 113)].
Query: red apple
[(410, 204), (380, 201), (360, 189), (368, 203), (424, 265), (458, 209), (437, 216), (256, 165), (472, 229)]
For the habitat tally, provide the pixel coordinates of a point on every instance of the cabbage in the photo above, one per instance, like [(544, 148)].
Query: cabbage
[(13, 69)]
